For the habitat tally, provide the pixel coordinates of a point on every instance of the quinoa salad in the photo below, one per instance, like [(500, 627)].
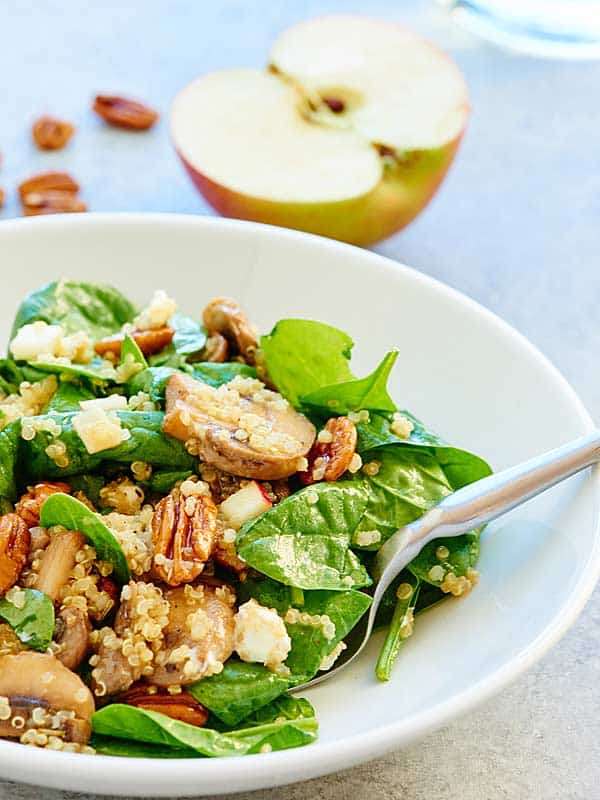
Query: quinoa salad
[(189, 514)]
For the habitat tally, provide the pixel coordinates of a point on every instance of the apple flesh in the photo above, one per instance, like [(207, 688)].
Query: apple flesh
[(347, 135), (244, 505)]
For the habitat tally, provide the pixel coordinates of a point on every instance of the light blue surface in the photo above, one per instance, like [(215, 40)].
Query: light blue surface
[(516, 225)]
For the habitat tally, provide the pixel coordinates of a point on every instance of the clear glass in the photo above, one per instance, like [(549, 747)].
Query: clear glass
[(551, 28)]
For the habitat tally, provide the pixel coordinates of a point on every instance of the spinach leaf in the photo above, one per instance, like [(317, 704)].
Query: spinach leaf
[(189, 339), (67, 398), (128, 722), (310, 645), (369, 393), (302, 355), (377, 432), (97, 310), (126, 748), (33, 622), (97, 372), (10, 441), (152, 381), (61, 509), (304, 540), (131, 348), (409, 481), (147, 443), (283, 707), (463, 552), (218, 374), (239, 690), (163, 481)]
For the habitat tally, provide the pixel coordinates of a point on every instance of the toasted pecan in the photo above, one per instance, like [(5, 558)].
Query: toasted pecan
[(50, 133), (150, 341), (329, 458), (184, 532), (124, 113), (14, 548)]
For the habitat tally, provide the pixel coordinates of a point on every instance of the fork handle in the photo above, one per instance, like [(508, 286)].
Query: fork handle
[(483, 501)]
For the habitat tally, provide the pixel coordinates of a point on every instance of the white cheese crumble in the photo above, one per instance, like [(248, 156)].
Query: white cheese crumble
[(98, 430), (114, 402), (40, 342), (35, 339), (260, 635), (157, 313)]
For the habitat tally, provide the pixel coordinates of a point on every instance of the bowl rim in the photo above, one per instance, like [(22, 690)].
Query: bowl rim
[(302, 763)]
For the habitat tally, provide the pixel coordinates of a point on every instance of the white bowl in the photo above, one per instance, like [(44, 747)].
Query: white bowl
[(465, 372)]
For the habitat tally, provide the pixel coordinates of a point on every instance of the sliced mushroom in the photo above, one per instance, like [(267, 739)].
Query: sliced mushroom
[(58, 560), (114, 670), (223, 315), (241, 428), (216, 349), (72, 635), (198, 637), (37, 680)]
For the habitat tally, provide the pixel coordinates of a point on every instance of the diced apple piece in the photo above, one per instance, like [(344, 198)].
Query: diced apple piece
[(246, 504)]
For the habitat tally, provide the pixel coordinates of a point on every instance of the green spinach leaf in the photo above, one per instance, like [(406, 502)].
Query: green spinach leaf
[(310, 645), (361, 393), (96, 309), (152, 381), (218, 374), (147, 443), (302, 355), (126, 748), (189, 339), (128, 722), (304, 540), (67, 398), (61, 509), (10, 441), (131, 348), (33, 622), (239, 690)]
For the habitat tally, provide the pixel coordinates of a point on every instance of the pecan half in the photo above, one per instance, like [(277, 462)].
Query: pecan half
[(51, 134), (48, 182), (14, 548), (52, 202), (184, 531), (329, 458), (180, 706), (124, 113), (28, 507), (149, 341), (2, 197)]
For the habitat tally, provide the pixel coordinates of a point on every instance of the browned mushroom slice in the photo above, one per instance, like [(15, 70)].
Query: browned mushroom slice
[(126, 653), (223, 315), (198, 637), (72, 636), (241, 427), (58, 560), (32, 681)]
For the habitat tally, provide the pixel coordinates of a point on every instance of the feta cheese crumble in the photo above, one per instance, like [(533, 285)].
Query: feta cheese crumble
[(260, 635), (98, 430)]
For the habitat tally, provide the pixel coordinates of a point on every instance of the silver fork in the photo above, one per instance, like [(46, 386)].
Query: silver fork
[(468, 508)]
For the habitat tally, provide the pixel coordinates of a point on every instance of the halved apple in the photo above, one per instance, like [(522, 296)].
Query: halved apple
[(348, 134)]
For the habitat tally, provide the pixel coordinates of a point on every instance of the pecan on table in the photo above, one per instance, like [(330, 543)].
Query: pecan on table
[(124, 113)]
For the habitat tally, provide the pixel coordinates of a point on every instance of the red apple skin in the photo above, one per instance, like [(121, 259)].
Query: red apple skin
[(406, 188)]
